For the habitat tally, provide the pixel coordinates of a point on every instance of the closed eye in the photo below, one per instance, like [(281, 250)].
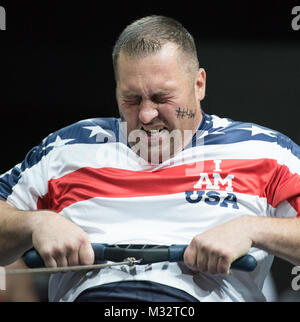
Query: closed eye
[(132, 101), (158, 99)]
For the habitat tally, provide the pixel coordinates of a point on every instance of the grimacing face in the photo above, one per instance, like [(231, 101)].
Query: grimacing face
[(159, 102)]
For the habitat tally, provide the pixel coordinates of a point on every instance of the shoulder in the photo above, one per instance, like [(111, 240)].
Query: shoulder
[(87, 131), (227, 131)]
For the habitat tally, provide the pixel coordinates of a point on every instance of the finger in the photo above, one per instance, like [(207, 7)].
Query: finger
[(49, 260), (50, 263), (86, 254), (190, 258), (73, 258), (61, 260), (47, 257), (223, 265), (202, 261), (212, 264)]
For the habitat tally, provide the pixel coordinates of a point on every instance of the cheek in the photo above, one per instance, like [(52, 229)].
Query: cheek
[(130, 116), (167, 113), (178, 115)]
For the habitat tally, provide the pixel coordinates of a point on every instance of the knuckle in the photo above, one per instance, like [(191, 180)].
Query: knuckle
[(214, 252), (70, 248), (57, 252), (196, 240), (224, 264), (226, 255), (220, 252), (45, 253)]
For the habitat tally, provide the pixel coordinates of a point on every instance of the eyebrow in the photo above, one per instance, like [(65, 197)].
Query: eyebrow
[(161, 93), (130, 94)]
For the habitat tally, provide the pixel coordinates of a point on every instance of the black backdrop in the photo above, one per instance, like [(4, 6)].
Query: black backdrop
[(55, 66)]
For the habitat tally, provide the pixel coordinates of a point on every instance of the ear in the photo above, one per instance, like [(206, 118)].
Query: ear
[(200, 84)]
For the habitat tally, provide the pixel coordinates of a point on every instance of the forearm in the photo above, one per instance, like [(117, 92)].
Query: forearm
[(214, 250), (15, 233), (278, 236), (59, 241)]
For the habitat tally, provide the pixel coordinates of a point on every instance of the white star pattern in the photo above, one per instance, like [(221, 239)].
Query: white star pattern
[(58, 142), (96, 130), (219, 122), (258, 130), (217, 132)]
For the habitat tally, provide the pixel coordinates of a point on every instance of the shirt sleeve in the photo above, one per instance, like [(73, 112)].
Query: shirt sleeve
[(283, 191), (27, 181)]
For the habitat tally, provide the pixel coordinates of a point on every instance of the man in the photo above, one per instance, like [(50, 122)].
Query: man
[(165, 173)]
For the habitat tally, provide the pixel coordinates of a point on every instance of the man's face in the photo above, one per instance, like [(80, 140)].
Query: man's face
[(159, 101)]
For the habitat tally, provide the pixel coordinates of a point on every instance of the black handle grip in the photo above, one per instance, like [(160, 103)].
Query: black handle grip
[(245, 263), (173, 253)]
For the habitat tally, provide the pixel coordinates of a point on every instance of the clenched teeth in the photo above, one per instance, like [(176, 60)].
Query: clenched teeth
[(154, 132)]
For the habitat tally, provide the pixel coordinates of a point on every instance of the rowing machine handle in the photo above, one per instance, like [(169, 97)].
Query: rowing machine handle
[(174, 253), (246, 263)]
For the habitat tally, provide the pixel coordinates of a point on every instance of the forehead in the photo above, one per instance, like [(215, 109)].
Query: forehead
[(161, 70)]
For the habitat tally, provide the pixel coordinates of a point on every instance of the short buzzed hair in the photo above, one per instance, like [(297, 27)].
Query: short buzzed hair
[(147, 36)]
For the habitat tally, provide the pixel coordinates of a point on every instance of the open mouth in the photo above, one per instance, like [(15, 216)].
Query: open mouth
[(155, 132)]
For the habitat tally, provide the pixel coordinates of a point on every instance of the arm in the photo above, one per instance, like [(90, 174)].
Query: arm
[(15, 233), (58, 240), (278, 236), (215, 249)]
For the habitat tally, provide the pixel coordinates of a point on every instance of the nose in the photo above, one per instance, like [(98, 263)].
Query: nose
[(148, 112)]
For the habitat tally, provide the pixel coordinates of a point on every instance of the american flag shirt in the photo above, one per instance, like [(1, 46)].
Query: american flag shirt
[(88, 173)]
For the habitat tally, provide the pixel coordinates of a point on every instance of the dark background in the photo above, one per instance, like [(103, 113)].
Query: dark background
[(55, 67)]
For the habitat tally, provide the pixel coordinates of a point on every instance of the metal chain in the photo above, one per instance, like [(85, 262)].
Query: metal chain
[(130, 261)]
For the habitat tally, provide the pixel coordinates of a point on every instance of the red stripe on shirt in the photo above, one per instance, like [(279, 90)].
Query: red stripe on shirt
[(260, 177)]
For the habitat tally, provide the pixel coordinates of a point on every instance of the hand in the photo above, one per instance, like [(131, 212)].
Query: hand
[(214, 250), (59, 241)]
